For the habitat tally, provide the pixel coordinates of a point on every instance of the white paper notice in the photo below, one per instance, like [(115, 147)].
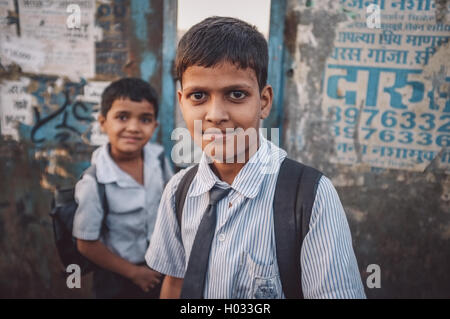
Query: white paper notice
[(15, 106), (66, 28), (28, 53), (92, 93)]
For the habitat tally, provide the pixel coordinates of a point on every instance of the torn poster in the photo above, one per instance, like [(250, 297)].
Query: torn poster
[(92, 93), (15, 106), (67, 30)]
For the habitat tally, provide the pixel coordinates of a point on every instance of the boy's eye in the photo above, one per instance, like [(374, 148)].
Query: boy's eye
[(146, 120), (237, 95), (197, 96), (123, 117)]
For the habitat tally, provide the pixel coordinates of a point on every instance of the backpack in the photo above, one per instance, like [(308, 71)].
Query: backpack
[(63, 210), (294, 197)]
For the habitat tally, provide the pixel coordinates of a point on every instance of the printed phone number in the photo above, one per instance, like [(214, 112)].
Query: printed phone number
[(391, 121)]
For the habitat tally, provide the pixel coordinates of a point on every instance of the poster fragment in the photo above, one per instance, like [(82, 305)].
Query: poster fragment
[(387, 108)]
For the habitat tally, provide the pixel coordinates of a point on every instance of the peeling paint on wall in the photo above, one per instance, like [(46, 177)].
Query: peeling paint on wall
[(306, 126), (113, 58), (399, 216)]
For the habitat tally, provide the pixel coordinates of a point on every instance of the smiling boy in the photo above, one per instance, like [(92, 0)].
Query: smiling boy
[(225, 247), (134, 179)]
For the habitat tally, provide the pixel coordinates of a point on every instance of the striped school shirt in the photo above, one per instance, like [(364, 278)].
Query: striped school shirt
[(242, 261)]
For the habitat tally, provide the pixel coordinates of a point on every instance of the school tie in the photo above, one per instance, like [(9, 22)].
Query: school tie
[(194, 279)]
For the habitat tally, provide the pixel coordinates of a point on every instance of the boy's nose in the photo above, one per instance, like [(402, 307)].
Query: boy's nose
[(133, 125), (216, 112)]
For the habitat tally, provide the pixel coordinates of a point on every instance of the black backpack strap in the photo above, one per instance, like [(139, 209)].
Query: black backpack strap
[(305, 199), (162, 164), (181, 192), (293, 200), (91, 170)]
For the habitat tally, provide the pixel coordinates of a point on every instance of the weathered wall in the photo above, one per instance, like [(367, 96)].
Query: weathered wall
[(380, 134), (370, 107), (50, 81)]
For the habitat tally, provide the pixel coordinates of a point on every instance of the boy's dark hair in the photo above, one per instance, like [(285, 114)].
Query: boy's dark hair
[(218, 39), (134, 89)]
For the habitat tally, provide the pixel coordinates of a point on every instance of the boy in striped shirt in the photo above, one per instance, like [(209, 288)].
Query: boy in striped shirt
[(222, 66)]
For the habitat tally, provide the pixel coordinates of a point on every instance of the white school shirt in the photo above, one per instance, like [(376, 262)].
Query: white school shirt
[(132, 207), (242, 261)]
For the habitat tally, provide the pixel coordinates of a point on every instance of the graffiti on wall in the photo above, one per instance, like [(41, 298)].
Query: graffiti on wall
[(42, 110), (386, 89), (60, 117), (47, 44)]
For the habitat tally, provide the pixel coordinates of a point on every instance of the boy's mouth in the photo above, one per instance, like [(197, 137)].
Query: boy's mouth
[(131, 139), (217, 134)]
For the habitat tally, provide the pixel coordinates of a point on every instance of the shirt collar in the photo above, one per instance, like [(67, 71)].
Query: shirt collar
[(249, 179), (151, 154), (108, 171)]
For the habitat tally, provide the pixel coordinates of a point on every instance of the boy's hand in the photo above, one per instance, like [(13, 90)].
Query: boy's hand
[(145, 277)]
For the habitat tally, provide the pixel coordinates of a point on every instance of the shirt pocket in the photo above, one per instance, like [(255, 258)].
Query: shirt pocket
[(125, 200), (256, 281), (126, 207)]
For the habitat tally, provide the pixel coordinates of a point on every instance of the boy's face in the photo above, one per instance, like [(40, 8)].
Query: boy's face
[(223, 97), (129, 125)]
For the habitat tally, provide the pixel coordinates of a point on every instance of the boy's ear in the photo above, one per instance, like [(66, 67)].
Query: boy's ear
[(266, 101), (180, 95), (102, 120)]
